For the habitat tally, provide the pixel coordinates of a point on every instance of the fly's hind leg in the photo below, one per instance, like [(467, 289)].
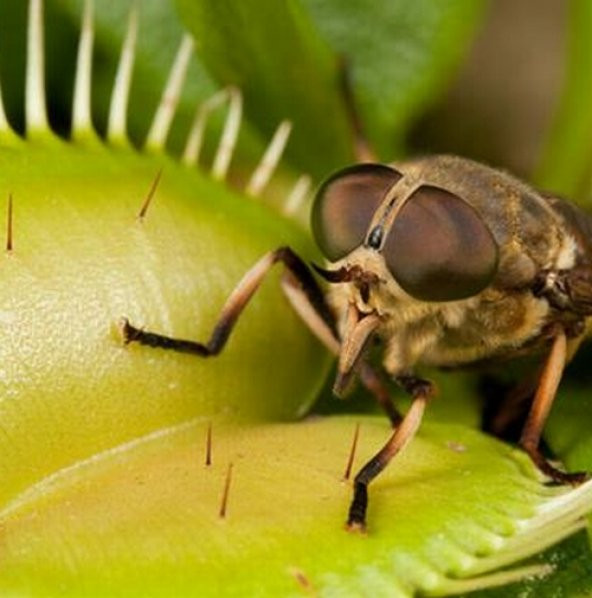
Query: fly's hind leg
[(541, 406), (306, 298), (421, 391)]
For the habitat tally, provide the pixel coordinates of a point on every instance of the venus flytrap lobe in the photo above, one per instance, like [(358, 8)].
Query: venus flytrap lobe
[(102, 445), (81, 262)]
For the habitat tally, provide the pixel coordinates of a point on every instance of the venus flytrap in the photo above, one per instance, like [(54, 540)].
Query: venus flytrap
[(106, 486)]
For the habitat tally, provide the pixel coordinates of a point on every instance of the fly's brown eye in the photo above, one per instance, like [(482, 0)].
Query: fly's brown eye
[(345, 204), (439, 249)]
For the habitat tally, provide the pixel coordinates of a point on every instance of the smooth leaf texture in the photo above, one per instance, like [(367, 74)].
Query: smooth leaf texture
[(568, 430), (400, 54), (144, 519), (82, 260), (565, 163)]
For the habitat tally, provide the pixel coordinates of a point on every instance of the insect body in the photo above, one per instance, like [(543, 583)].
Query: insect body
[(448, 263)]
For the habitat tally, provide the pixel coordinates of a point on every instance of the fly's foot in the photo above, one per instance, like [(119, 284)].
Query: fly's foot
[(128, 332), (356, 520), (557, 476)]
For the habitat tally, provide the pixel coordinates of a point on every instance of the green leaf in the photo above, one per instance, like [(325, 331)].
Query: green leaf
[(273, 53), (160, 33), (143, 519), (568, 428), (401, 56), (61, 55), (571, 576), (565, 163)]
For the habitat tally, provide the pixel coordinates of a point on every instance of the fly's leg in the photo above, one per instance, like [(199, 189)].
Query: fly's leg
[(235, 304), (372, 381), (541, 406), (421, 391), (306, 298), (294, 290), (510, 415)]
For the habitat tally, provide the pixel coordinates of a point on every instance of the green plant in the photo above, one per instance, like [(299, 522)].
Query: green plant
[(105, 487)]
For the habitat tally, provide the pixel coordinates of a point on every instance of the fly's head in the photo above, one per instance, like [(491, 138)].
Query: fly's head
[(399, 244)]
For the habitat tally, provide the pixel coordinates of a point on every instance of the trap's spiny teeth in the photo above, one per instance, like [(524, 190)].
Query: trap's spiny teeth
[(165, 112), (270, 159), (37, 122), (454, 587), (229, 135), (196, 134), (81, 107), (35, 104), (296, 198), (117, 123)]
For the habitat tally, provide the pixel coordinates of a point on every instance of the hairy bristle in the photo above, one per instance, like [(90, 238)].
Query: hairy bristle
[(352, 453), (35, 103), (196, 134), (9, 224), (270, 159), (150, 195), (229, 135), (117, 123), (302, 579), (297, 196), (165, 112), (224, 502), (209, 445), (81, 105)]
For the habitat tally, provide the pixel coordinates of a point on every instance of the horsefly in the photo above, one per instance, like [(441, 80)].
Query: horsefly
[(446, 263)]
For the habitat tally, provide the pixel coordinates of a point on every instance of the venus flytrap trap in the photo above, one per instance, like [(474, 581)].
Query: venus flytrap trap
[(131, 471), (76, 213)]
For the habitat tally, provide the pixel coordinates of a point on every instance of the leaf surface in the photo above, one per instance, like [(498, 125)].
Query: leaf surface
[(144, 518)]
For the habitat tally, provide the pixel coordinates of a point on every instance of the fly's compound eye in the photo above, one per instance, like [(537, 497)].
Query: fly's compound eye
[(345, 204), (439, 249)]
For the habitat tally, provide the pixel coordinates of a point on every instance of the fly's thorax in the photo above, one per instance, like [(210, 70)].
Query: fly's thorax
[(451, 334)]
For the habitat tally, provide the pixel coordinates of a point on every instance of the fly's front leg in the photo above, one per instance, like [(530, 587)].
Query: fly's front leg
[(541, 406), (306, 298), (235, 304), (421, 391)]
